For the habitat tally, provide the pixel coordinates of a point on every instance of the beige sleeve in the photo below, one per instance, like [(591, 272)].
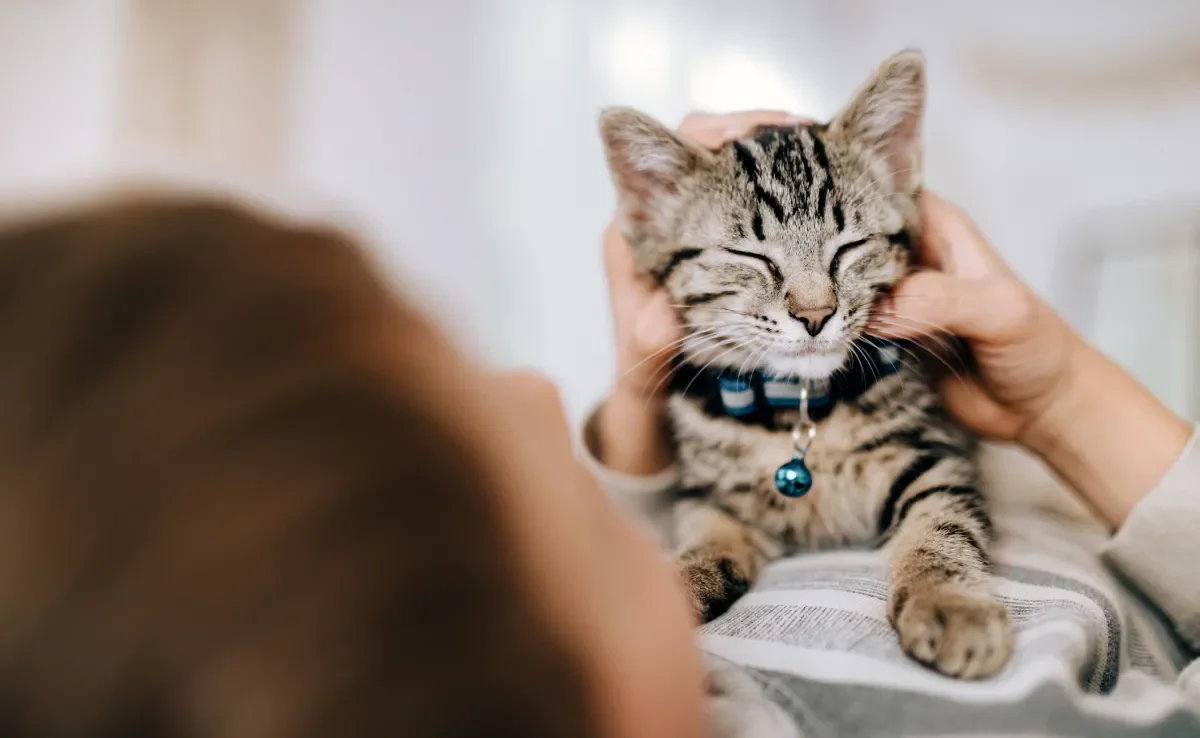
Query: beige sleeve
[(1158, 547), (647, 497)]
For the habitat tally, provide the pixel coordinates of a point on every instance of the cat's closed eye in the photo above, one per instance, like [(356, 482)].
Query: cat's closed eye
[(771, 266), (844, 249)]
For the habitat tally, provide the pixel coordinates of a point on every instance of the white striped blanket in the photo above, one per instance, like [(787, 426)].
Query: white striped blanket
[(809, 652)]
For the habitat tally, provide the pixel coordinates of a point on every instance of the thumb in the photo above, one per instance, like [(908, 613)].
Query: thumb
[(656, 326), (970, 404), (993, 309)]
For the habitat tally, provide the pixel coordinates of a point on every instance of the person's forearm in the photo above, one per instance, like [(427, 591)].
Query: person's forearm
[(1108, 436), (632, 436)]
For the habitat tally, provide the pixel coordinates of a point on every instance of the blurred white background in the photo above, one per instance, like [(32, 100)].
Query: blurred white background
[(459, 135)]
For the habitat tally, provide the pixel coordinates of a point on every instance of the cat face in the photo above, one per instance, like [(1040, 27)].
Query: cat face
[(774, 247)]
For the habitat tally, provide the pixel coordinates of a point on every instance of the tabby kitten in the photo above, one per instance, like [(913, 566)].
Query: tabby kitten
[(774, 248)]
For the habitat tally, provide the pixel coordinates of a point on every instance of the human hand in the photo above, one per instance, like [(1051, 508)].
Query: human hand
[(646, 328), (1023, 350), (1035, 380)]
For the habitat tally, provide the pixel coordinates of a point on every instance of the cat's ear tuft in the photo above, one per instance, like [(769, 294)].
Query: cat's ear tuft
[(885, 117), (647, 160)]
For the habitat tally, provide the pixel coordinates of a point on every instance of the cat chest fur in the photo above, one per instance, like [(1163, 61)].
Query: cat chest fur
[(731, 465)]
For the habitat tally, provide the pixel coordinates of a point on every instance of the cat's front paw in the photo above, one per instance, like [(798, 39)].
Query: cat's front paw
[(961, 633), (714, 582)]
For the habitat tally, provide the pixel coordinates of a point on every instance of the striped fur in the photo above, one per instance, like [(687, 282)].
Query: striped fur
[(745, 239)]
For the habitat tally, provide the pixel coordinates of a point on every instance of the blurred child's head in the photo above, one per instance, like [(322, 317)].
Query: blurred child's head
[(246, 492)]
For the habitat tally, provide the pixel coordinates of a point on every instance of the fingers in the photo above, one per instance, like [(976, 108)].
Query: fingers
[(997, 310), (950, 241), (624, 280), (618, 259), (966, 400), (645, 323), (712, 130), (657, 325), (931, 246)]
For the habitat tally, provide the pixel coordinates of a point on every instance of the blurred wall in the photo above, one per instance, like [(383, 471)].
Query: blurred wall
[(382, 116), (208, 81), (58, 82)]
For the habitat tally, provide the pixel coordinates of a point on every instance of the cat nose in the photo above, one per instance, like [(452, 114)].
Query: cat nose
[(813, 318)]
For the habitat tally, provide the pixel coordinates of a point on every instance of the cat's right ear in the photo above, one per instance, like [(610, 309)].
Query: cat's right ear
[(885, 118), (650, 166)]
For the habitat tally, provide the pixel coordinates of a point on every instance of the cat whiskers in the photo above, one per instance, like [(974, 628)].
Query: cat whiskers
[(955, 371), (709, 330), (733, 341), (936, 332), (753, 339), (717, 358), (899, 375), (753, 358), (905, 321), (672, 346), (861, 355)]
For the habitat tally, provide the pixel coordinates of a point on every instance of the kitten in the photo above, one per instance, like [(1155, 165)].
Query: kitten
[(774, 249)]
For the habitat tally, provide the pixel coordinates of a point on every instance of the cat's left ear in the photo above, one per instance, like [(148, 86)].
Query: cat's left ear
[(650, 165), (885, 117)]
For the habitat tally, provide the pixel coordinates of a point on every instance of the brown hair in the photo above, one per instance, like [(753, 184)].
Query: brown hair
[(218, 516)]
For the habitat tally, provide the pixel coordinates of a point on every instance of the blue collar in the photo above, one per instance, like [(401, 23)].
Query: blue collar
[(757, 398)]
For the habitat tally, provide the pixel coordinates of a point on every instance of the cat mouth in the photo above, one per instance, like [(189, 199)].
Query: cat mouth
[(813, 351), (814, 362)]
